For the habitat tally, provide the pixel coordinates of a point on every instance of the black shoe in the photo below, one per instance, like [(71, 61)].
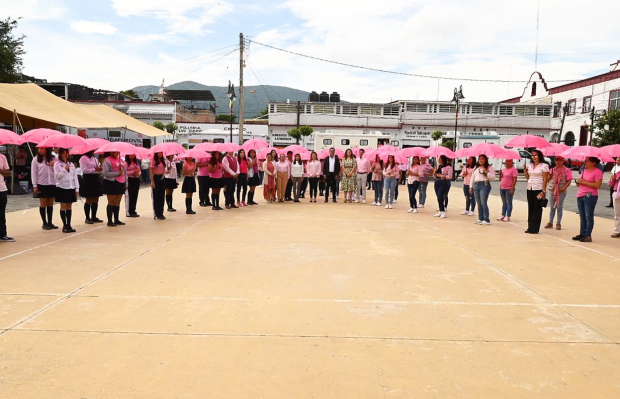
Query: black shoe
[(68, 229), (46, 227), (119, 223), (204, 205), (609, 206), (219, 208), (133, 215), (88, 221), (53, 226), (234, 206), (208, 203), (586, 239), (171, 210), (296, 200), (326, 201), (527, 232), (335, 201), (190, 212), (97, 220), (160, 217), (7, 239), (577, 237), (111, 224)]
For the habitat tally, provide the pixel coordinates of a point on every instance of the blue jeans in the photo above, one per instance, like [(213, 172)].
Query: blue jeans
[(377, 186), (560, 209), (441, 189), (413, 189), (586, 207), (506, 201), (470, 201), (481, 193), (390, 189), (423, 186)]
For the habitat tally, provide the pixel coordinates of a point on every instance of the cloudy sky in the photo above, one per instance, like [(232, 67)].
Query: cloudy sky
[(120, 44)]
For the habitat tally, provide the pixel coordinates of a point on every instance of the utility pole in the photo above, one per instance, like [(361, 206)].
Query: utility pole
[(241, 66), (564, 112), (592, 116), (298, 112)]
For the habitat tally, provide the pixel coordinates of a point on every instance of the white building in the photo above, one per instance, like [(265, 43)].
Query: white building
[(573, 103)]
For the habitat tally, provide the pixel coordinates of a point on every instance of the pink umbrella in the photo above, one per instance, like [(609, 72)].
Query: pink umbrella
[(194, 153), (511, 154), (554, 149), (305, 156), (397, 158), (489, 149), (169, 148), (585, 151), (438, 151), (613, 150), (297, 149), (142, 153), (118, 146), (91, 145), (38, 135), (255, 144), (217, 147), (262, 154), (7, 137), (370, 153), (387, 147), (411, 152), (62, 141), (461, 153), (527, 141)]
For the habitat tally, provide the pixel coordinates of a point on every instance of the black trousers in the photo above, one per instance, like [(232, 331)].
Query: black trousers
[(330, 183), (133, 188), (159, 195), (3, 201), (534, 211), (304, 186), (242, 184), (204, 184), (289, 189), (229, 183), (314, 183)]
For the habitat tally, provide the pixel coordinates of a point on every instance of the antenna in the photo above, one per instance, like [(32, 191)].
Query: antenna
[(537, 31)]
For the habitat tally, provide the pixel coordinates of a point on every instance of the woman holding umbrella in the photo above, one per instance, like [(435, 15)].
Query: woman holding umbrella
[(253, 175), (560, 178), (217, 179), (481, 188), (91, 186), (44, 184), (189, 183), (67, 188), (390, 174), (537, 175), (114, 183), (443, 175), (157, 170), (269, 183), (587, 197), (134, 171), (171, 181)]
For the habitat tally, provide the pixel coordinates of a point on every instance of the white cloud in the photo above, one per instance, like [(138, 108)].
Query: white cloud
[(31, 10), (93, 27)]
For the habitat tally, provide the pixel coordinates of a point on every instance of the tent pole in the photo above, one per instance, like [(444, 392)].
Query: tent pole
[(12, 154)]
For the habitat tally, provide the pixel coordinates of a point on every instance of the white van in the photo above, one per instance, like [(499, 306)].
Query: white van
[(344, 139)]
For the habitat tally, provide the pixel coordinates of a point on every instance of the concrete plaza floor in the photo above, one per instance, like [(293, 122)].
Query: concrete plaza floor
[(309, 301)]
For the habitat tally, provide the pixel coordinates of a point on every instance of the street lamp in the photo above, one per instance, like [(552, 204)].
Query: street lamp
[(458, 96), (231, 98)]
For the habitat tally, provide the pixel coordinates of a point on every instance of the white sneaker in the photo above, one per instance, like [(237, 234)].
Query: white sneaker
[(387, 206), (410, 210), (390, 206), (374, 203), (443, 215), (484, 223), (378, 203), (438, 214), (421, 206), (464, 212), (357, 201), (478, 222), (415, 211), (363, 201), (394, 202), (471, 213)]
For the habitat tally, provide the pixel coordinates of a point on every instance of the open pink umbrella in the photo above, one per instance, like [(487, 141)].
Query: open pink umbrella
[(296, 148), (397, 158), (437, 151), (62, 141), (91, 145), (527, 141), (584, 151), (325, 153), (169, 148), (118, 146), (387, 147), (411, 152), (613, 150), (512, 154), (255, 144), (461, 153), (7, 137), (194, 153), (489, 149), (554, 149), (305, 156), (38, 135), (217, 147)]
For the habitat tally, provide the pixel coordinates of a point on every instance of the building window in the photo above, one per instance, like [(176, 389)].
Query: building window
[(218, 140), (114, 133), (586, 105), (345, 141), (504, 110), (272, 108), (572, 106), (287, 108), (395, 143), (363, 142), (327, 141), (323, 109), (556, 109), (543, 111), (368, 110), (614, 99), (525, 111), (534, 89), (446, 108), (422, 108), (348, 110), (393, 111)]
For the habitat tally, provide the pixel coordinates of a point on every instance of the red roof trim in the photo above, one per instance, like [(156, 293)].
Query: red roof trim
[(586, 82)]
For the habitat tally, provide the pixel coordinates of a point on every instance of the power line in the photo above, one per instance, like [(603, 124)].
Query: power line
[(402, 73)]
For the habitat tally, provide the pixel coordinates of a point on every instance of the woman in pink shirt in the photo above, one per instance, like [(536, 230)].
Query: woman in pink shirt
[(614, 185), (253, 175), (114, 183), (157, 169), (314, 173), (560, 178), (90, 189), (377, 180), (132, 166), (587, 196), (242, 178), (217, 180), (470, 201), (508, 181), (269, 183), (189, 183)]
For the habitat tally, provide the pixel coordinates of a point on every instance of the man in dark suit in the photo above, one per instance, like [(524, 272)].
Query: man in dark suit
[(331, 171)]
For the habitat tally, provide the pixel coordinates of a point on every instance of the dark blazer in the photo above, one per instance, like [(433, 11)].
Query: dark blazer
[(336, 166)]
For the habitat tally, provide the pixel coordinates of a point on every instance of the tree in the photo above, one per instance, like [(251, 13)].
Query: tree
[(448, 144), (302, 131), (602, 136), (436, 135), (171, 128), (225, 118), (159, 125), (130, 93), (11, 52), (263, 112)]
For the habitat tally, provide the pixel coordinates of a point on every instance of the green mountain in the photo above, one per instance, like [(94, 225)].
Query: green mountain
[(256, 97)]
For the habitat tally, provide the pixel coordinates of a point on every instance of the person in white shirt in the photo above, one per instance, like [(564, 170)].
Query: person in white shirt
[(363, 169), (44, 185), (614, 170), (170, 179), (297, 173), (4, 172), (537, 175), (67, 188)]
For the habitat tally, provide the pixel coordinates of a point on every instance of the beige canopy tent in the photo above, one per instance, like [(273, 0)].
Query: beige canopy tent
[(36, 107)]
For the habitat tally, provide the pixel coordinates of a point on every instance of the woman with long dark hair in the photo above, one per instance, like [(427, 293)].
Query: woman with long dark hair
[(537, 175), (481, 188), (587, 196), (443, 174), (90, 189), (377, 180), (314, 173), (44, 185), (157, 170), (297, 173), (466, 173), (253, 175), (269, 183), (390, 174), (67, 188), (560, 179), (413, 183), (134, 171), (349, 175), (189, 183), (242, 178), (114, 182), (171, 182), (217, 180)]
